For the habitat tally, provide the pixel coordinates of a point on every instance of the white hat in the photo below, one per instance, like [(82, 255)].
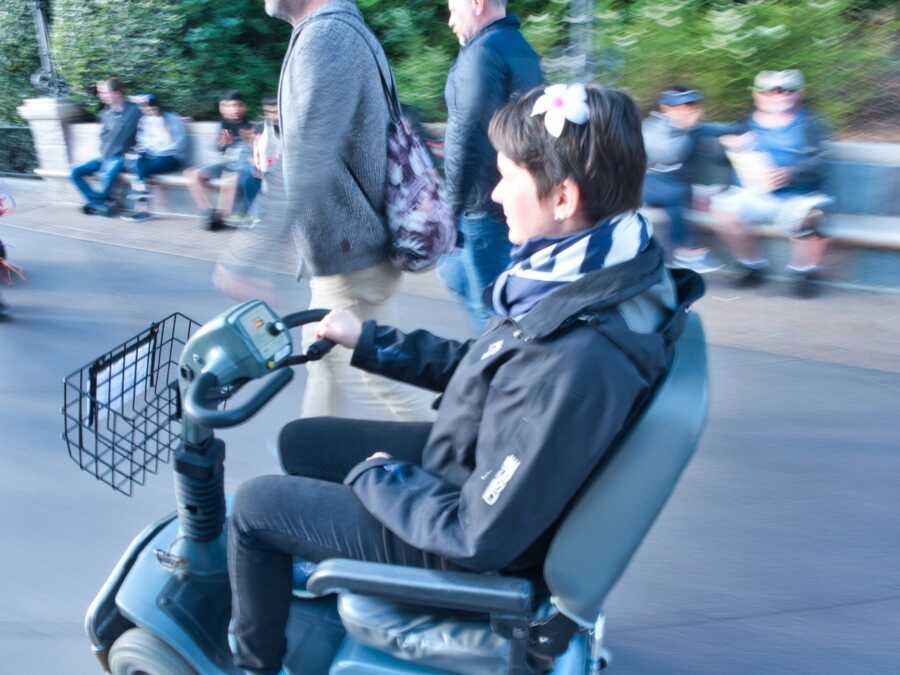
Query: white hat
[(767, 80)]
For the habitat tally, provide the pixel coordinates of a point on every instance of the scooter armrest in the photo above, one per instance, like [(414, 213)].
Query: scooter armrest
[(469, 591)]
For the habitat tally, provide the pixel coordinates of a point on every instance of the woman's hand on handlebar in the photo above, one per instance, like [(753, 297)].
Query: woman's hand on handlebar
[(340, 326)]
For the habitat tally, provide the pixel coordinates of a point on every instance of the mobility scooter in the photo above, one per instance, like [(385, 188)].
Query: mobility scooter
[(165, 608)]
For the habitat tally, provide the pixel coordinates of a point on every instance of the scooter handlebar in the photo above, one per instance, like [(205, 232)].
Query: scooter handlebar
[(317, 349), (197, 403)]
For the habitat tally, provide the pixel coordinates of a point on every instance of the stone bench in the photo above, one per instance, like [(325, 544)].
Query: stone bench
[(170, 190), (862, 178)]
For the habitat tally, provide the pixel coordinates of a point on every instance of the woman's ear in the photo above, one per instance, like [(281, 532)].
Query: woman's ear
[(567, 200)]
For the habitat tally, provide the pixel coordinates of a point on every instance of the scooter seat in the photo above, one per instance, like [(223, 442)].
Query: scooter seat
[(446, 641)]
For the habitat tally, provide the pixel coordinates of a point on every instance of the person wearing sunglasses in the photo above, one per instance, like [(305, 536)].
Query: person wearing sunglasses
[(779, 165)]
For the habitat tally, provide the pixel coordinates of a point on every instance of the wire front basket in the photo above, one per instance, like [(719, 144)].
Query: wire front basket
[(122, 411)]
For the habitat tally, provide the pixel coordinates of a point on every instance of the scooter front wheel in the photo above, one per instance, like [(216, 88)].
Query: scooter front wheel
[(138, 652)]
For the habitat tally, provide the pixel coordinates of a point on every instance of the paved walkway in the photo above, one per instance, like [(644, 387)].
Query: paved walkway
[(777, 553), (846, 327)]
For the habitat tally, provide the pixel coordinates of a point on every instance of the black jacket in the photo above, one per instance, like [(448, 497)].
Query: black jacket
[(496, 63), (528, 409)]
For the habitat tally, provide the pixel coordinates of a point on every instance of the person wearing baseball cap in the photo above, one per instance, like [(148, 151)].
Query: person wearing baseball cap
[(162, 147), (670, 140), (779, 165)]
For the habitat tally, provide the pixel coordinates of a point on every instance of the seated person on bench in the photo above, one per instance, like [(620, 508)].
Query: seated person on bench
[(527, 410), (162, 147)]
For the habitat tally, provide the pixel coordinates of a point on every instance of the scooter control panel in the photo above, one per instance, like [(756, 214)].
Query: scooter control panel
[(237, 345), (255, 320)]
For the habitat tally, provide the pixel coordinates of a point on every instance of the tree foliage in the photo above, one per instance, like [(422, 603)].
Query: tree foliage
[(18, 56), (718, 46), (188, 51)]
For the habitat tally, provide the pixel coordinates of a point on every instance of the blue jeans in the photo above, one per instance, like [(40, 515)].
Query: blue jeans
[(249, 186), (109, 170), (484, 256), (148, 165), (673, 196)]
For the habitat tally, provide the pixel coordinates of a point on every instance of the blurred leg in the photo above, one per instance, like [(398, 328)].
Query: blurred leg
[(333, 387), (485, 255), (109, 173), (227, 192), (78, 175), (197, 181)]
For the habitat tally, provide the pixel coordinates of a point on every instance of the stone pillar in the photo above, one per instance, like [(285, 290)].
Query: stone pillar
[(49, 119)]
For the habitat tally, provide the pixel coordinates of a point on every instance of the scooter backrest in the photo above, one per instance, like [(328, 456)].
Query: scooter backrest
[(617, 506)]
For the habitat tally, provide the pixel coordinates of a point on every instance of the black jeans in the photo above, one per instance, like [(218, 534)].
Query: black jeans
[(311, 515)]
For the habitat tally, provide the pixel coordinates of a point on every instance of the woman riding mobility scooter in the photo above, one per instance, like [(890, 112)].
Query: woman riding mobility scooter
[(165, 608), (560, 434)]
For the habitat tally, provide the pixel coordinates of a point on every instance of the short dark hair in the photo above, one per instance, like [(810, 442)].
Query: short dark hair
[(114, 84), (605, 156), (232, 95)]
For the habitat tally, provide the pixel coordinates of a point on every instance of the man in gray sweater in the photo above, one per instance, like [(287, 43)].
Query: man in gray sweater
[(334, 121), (118, 127)]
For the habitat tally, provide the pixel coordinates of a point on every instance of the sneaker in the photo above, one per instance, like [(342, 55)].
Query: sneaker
[(103, 210), (137, 216), (239, 220), (749, 277), (214, 221), (701, 264), (88, 209), (803, 283)]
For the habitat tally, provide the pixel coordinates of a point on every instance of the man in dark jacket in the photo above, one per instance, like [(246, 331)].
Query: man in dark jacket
[(118, 129), (495, 61)]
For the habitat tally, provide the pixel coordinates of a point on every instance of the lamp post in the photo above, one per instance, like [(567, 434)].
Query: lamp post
[(47, 80), (50, 114)]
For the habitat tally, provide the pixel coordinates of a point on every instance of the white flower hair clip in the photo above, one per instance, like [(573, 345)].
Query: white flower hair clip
[(561, 102)]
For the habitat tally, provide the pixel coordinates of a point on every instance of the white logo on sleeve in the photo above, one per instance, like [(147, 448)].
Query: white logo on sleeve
[(492, 349), (509, 467)]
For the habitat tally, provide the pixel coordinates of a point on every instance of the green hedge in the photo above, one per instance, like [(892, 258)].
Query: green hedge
[(17, 153), (190, 51), (18, 56), (844, 52)]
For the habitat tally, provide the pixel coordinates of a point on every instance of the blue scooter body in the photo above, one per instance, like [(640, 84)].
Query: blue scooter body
[(135, 593)]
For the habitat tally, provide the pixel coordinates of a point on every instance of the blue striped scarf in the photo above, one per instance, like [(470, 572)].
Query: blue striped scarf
[(543, 264)]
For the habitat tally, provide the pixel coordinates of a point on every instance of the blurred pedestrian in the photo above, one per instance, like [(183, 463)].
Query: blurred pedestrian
[(494, 62), (671, 135), (118, 129), (162, 147), (7, 204), (233, 143), (334, 128), (780, 168)]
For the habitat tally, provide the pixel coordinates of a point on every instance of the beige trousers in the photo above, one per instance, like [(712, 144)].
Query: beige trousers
[(333, 387)]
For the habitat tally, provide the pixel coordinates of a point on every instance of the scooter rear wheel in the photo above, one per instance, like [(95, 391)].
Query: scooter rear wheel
[(137, 652)]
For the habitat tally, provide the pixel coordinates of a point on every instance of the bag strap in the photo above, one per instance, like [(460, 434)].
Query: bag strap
[(387, 82)]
